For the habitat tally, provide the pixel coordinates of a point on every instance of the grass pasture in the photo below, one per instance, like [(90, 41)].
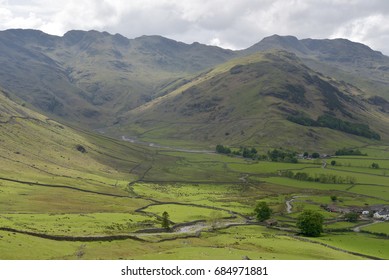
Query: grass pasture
[(359, 243), (380, 228), (91, 224), (185, 213), (118, 188)]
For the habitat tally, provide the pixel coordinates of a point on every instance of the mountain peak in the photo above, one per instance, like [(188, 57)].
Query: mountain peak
[(289, 43), (341, 48), (28, 36)]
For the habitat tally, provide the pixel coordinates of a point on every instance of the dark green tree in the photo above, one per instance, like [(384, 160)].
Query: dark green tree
[(375, 165), (315, 155), (262, 211), (310, 223), (222, 150), (165, 220), (333, 162), (351, 217)]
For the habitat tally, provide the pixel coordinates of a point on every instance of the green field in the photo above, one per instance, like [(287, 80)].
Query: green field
[(359, 243), (380, 228), (107, 201)]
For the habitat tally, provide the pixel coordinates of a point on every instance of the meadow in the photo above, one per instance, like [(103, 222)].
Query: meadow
[(111, 207)]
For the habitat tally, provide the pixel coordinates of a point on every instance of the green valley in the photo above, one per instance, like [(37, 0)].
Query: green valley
[(148, 148)]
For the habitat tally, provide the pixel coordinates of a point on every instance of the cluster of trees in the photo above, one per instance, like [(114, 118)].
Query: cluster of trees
[(220, 149), (243, 151), (278, 155), (282, 156), (309, 222), (349, 152), (321, 178), (351, 217), (375, 165), (335, 123), (248, 153), (313, 155)]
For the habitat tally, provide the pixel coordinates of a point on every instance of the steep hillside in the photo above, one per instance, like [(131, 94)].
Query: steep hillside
[(90, 77), (353, 62), (255, 100), (39, 150)]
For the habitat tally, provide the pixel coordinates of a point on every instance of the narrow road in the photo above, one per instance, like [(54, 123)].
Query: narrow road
[(358, 228), (202, 226), (289, 205)]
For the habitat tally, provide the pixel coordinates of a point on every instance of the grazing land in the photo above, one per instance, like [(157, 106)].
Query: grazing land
[(210, 199)]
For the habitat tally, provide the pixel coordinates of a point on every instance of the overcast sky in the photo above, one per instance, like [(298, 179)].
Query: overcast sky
[(234, 24)]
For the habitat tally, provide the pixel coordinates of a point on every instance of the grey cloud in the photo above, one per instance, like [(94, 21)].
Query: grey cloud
[(235, 24)]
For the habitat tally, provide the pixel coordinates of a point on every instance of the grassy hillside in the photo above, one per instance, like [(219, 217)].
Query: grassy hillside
[(37, 149), (248, 101)]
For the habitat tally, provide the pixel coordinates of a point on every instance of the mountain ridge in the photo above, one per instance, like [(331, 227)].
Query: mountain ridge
[(249, 100), (98, 80)]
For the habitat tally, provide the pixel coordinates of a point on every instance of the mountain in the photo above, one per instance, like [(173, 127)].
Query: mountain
[(346, 60), (90, 77), (169, 92), (269, 98)]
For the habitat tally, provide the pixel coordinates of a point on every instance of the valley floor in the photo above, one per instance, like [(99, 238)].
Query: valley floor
[(210, 200)]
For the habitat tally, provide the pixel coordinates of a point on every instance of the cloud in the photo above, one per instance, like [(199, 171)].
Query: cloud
[(232, 24)]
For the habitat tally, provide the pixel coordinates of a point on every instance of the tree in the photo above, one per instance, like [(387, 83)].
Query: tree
[(310, 223), (315, 155), (165, 220), (334, 198), (375, 165), (262, 211), (351, 217), (333, 162), (214, 218)]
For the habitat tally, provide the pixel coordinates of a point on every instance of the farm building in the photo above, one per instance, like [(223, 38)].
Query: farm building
[(383, 214), (271, 222)]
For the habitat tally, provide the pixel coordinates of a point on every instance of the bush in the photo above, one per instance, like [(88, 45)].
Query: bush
[(81, 149)]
